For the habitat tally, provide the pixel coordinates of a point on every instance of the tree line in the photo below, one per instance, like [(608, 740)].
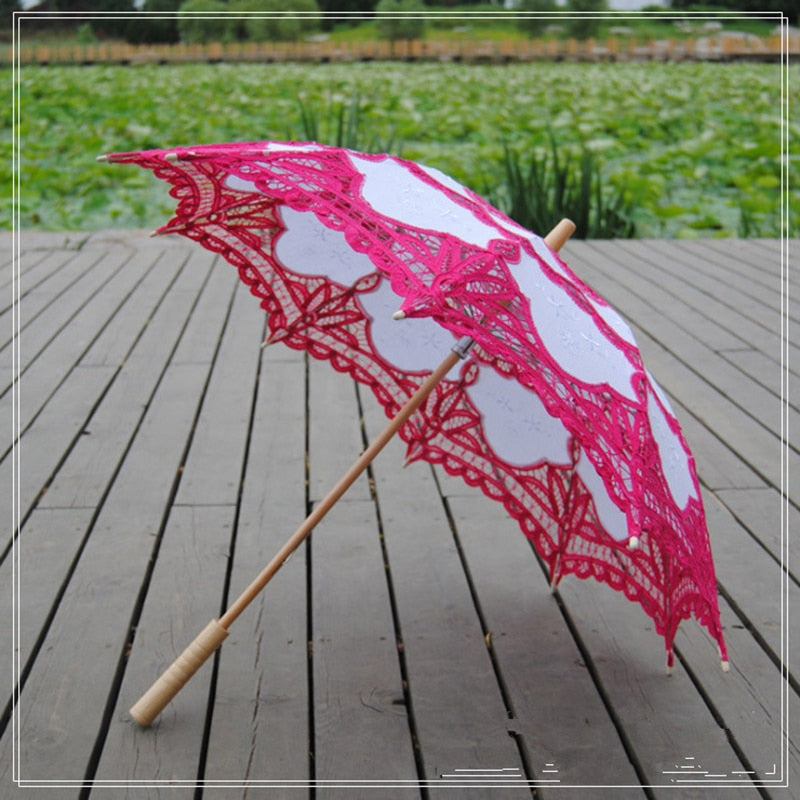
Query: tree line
[(291, 20)]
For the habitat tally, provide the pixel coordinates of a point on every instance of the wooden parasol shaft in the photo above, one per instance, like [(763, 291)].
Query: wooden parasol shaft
[(153, 701), (211, 637), (344, 483)]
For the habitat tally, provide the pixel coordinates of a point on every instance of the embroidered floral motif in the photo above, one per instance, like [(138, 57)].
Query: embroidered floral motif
[(322, 236)]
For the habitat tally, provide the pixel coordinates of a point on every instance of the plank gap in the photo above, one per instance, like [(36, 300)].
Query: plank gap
[(721, 350), (312, 761), (204, 505)]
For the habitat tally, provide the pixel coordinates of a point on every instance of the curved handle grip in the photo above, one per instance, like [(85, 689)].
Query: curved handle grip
[(152, 702)]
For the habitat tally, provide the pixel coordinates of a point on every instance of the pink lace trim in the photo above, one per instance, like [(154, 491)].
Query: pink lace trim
[(470, 291)]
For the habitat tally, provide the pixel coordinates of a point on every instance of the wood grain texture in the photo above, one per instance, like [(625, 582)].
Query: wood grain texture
[(165, 458)]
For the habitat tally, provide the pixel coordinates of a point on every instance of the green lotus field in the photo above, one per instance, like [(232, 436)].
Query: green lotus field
[(697, 149)]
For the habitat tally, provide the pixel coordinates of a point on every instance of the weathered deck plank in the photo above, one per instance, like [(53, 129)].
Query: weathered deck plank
[(54, 541), (45, 357), (560, 725), (97, 605), (414, 637), (192, 563), (193, 551), (260, 724), (460, 716), (33, 269), (665, 328), (360, 720)]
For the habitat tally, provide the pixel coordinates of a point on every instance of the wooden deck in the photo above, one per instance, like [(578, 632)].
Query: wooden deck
[(412, 647)]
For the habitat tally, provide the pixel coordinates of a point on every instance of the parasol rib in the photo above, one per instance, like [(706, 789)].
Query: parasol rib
[(150, 705)]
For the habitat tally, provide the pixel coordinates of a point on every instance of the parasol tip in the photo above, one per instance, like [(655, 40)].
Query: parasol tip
[(557, 237), (399, 314), (726, 667), (670, 660), (176, 227), (103, 158), (413, 453), (633, 543), (274, 336)]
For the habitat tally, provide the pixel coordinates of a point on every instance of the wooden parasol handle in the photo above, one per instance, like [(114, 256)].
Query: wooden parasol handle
[(194, 656), (152, 702), (145, 710)]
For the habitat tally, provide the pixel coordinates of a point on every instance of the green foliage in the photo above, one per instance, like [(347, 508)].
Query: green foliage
[(253, 20), (203, 21), (111, 26), (85, 34), (279, 20), (400, 19), (479, 15), (354, 20), (342, 125), (584, 22), (556, 184), (334, 11), (791, 8), (697, 147), (534, 18), (154, 28)]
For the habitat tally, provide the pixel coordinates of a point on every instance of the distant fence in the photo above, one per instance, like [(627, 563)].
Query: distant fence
[(712, 48)]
